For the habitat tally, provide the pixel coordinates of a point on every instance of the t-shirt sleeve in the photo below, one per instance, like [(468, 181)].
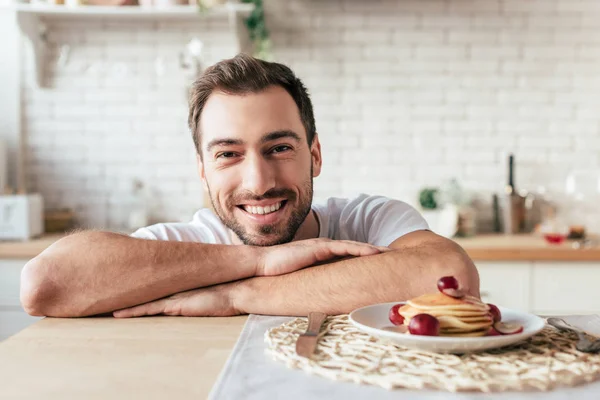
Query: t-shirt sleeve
[(381, 220), (144, 233), (180, 232)]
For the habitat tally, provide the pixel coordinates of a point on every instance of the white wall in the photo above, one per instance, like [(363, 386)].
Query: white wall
[(10, 121), (115, 111), (406, 94)]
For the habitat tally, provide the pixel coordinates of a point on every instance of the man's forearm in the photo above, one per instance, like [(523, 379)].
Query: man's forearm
[(342, 286), (96, 272)]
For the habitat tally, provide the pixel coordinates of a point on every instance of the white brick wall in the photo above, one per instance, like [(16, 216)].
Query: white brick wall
[(406, 94), (110, 117)]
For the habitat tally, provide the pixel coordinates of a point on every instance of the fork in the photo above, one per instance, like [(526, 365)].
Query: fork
[(584, 344)]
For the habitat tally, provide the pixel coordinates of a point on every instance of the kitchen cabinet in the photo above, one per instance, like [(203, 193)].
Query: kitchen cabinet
[(12, 316), (566, 288), (505, 283), (541, 287)]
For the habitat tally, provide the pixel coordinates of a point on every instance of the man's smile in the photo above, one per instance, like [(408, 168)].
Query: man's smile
[(263, 212)]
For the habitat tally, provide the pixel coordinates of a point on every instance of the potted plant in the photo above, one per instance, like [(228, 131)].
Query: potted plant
[(441, 216), (255, 23)]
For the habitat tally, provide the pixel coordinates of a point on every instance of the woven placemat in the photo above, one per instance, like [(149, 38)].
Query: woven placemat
[(543, 362)]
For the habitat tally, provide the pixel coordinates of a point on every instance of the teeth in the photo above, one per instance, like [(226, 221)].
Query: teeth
[(263, 210)]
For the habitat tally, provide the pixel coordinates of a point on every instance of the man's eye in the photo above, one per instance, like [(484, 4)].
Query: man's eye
[(226, 154), (281, 149)]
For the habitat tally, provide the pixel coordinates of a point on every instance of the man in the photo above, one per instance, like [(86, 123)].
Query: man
[(266, 248)]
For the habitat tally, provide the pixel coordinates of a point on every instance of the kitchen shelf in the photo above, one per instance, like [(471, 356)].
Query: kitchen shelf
[(32, 21), (49, 11)]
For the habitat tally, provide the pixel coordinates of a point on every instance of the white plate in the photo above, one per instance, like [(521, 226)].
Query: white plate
[(373, 319)]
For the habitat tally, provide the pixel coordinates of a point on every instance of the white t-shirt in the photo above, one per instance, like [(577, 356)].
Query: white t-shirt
[(368, 219)]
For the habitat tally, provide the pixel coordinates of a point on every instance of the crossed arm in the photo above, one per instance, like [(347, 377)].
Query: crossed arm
[(414, 265), (98, 272)]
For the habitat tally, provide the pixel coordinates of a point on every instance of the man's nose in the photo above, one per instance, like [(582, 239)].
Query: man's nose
[(259, 176)]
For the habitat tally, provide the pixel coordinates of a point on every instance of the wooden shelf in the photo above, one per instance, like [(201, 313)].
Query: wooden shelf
[(49, 11), (32, 20)]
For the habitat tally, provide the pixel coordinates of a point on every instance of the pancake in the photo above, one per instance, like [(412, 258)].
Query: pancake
[(479, 333), (464, 317), (452, 323), (439, 301), (408, 312), (483, 318)]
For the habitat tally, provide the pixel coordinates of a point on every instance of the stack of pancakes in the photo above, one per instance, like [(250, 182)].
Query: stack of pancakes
[(463, 317)]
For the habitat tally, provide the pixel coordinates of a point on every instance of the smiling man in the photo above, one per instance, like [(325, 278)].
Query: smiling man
[(266, 248)]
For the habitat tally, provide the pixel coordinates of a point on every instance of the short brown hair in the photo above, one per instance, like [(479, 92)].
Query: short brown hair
[(245, 74)]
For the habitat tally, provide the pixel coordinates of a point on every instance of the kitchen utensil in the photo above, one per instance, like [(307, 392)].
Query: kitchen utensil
[(467, 221), (374, 320), (496, 213), (514, 208), (21, 216), (576, 232), (585, 344), (307, 342)]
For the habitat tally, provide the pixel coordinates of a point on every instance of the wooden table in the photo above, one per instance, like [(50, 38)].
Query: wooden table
[(107, 358), (164, 357)]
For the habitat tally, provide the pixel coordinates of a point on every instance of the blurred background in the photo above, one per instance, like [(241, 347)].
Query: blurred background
[(481, 113), (407, 94)]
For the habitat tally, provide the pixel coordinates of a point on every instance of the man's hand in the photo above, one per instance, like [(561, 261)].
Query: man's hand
[(214, 301), (285, 258)]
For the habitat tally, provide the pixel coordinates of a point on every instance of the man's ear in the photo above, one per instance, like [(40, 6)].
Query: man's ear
[(315, 151), (201, 173)]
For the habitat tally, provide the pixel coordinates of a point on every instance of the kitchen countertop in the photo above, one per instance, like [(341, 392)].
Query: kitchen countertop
[(29, 248), (524, 248), (492, 247), (100, 358)]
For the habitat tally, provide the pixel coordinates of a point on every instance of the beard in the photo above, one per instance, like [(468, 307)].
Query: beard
[(268, 234)]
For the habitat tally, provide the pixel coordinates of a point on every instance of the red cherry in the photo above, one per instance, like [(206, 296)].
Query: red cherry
[(395, 317), (495, 311), (447, 282), (493, 332), (448, 285), (424, 325), (508, 328)]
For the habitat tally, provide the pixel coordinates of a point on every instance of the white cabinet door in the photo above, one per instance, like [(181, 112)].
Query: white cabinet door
[(12, 316), (505, 283), (566, 287), (10, 280), (12, 320)]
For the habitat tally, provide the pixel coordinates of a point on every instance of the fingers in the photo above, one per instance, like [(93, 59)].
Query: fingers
[(152, 308), (347, 247)]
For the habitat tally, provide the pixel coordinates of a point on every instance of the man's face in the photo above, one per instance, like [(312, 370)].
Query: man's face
[(257, 164)]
